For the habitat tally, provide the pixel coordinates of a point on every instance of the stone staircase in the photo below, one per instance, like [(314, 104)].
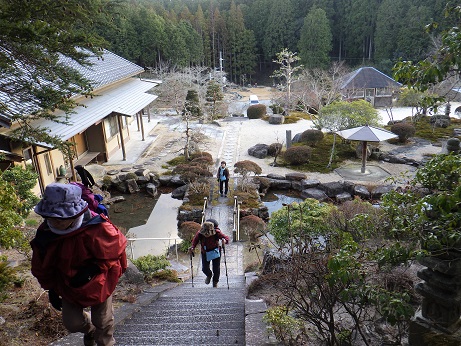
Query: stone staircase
[(198, 314), (186, 315)]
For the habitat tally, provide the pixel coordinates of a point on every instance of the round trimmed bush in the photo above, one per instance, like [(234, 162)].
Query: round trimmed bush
[(311, 137), (256, 111), (187, 230), (253, 226), (404, 131), (297, 155), (201, 154)]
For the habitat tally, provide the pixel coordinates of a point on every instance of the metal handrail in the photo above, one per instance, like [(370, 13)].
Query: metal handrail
[(236, 220), (205, 205), (131, 240)]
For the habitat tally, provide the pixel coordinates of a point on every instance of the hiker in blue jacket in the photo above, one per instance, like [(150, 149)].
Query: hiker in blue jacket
[(223, 178)]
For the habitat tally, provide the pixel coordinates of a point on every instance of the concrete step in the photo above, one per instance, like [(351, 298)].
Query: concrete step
[(188, 340), (186, 315)]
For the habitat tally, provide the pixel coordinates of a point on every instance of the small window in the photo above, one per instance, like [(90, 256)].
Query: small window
[(111, 126)]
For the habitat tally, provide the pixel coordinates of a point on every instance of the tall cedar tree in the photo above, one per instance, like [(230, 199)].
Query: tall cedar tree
[(34, 40)]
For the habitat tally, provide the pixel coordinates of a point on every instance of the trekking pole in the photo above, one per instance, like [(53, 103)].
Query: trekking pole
[(225, 263), (191, 254)]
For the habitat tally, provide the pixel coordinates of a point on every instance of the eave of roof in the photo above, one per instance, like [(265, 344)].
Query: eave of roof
[(126, 98)]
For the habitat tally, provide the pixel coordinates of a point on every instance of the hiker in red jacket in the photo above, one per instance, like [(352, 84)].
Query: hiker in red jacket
[(209, 236), (79, 256)]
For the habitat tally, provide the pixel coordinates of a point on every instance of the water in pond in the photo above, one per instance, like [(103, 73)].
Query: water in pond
[(143, 216), (275, 199)]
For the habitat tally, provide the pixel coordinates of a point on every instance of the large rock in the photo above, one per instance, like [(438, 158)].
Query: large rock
[(343, 197), (332, 188), (295, 176), (310, 183), (142, 172), (362, 192), (177, 180), (314, 193), (276, 119), (165, 180), (276, 176), (379, 191), (151, 189), (132, 274), (296, 138), (259, 151), (281, 184), (142, 181), (131, 186), (179, 192)]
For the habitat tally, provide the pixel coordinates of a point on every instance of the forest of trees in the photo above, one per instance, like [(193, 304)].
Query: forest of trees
[(249, 33)]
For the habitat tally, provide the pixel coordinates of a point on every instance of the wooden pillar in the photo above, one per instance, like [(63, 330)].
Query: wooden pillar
[(41, 183), (122, 140), (364, 156), (142, 125), (148, 114)]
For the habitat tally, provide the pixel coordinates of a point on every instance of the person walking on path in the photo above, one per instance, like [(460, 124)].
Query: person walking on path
[(85, 176), (208, 237), (79, 256), (223, 178)]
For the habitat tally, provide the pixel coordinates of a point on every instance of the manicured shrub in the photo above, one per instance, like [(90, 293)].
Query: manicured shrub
[(404, 131), (202, 161), (274, 149), (149, 265), (256, 111), (187, 230), (246, 166), (297, 155), (201, 154), (252, 226), (311, 137)]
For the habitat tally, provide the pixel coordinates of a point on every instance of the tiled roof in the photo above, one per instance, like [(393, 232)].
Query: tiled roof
[(104, 71), (367, 77)]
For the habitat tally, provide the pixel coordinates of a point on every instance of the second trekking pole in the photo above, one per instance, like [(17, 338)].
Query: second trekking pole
[(191, 254), (225, 263)]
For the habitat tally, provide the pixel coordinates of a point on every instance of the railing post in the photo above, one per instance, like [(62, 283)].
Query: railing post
[(238, 221), (176, 247), (234, 229), (205, 204)]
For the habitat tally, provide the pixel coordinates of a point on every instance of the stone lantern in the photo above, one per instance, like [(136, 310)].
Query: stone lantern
[(438, 321)]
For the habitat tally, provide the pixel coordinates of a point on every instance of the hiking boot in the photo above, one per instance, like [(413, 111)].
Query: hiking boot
[(215, 284), (88, 339), (208, 279), (225, 195)]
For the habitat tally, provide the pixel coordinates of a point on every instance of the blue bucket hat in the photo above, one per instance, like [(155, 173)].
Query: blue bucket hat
[(63, 201)]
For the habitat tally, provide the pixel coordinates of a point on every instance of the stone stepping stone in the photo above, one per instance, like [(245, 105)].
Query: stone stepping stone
[(113, 172), (138, 166)]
